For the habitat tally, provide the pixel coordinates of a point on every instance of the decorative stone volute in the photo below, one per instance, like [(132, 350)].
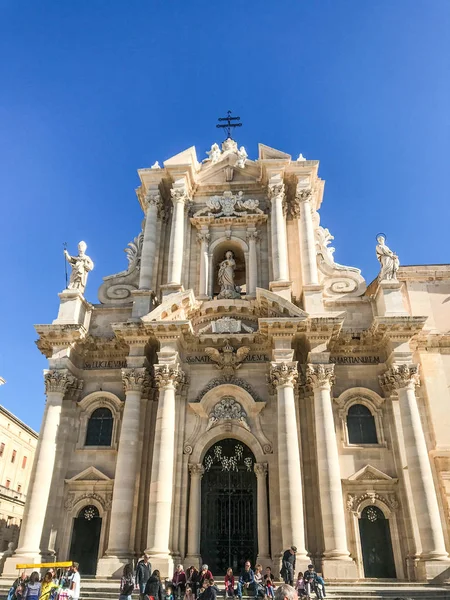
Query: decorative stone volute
[(58, 381), (260, 469), (321, 375), (283, 374), (135, 380), (169, 376), (400, 376), (196, 470)]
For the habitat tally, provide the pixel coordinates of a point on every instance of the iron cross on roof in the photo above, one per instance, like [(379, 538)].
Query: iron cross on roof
[(229, 124)]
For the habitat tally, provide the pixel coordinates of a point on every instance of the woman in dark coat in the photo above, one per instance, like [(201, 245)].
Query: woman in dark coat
[(193, 579), (153, 586)]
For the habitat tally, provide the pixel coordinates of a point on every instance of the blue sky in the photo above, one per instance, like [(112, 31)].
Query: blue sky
[(92, 90)]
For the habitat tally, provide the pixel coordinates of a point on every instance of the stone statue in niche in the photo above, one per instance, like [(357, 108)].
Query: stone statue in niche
[(389, 261), (226, 277), (81, 265)]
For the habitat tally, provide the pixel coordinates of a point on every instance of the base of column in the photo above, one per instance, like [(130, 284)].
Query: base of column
[(112, 566), (265, 560), (171, 288), (11, 562), (436, 571), (339, 568), (162, 561), (282, 288), (194, 560)]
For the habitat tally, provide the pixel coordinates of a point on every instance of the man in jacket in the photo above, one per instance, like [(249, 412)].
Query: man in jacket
[(246, 580), (143, 570), (288, 565)]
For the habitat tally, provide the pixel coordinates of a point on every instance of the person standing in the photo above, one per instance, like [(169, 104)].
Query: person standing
[(288, 565), (153, 587), (33, 588), (126, 583), (75, 581), (143, 570)]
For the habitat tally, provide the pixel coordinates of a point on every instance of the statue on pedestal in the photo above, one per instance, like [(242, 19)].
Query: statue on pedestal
[(81, 265), (388, 260), (226, 277)]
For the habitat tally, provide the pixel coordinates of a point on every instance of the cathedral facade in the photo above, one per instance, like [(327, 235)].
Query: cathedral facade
[(236, 391)]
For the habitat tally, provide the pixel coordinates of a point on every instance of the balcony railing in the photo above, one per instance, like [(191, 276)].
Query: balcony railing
[(13, 494)]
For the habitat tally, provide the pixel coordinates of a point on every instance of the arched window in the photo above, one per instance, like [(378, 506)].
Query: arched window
[(361, 425), (99, 429)]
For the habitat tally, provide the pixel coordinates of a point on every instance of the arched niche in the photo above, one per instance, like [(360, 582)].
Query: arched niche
[(217, 252)]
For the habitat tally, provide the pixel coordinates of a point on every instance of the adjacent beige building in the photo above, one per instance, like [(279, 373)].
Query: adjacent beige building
[(17, 447), (237, 390)]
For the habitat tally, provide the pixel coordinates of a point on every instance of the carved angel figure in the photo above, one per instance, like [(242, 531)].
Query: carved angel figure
[(389, 261), (242, 157), (214, 154), (226, 277), (81, 265), (228, 360), (251, 205)]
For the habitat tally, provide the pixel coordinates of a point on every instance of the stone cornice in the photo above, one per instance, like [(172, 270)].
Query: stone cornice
[(400, 328), (58, 336), (399, 377)]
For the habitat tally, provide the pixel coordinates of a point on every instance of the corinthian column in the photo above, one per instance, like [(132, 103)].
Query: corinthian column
[(203, 238), (148, 256), (404, 378), (194, 522), (135, 381), (167, 378), (303, 210), (320, 378), (278, 226), (176, 248), (252, 238), (57, 383), (262, 513), (283, 377)]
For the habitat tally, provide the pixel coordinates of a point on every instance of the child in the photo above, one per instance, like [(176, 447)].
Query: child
[(300, 585), (229, 583), (259, 582), (189, 594), (269, 585), (168, 595)]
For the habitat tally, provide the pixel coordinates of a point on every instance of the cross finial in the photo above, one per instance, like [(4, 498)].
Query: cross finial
[(229, 123)]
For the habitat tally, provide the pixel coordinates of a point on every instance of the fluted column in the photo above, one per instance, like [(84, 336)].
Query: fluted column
[(283, 377), (167, 378), (57, 383), (404, 378), (194, 521), (148, 255), (262, 512), (176, 248), (278, 227), (252, 238), (302, 209), (321, 377), (135, 381), (203, 238)]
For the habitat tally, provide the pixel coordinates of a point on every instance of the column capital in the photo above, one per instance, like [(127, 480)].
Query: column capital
[(400, 376), (320, 376), (196, 470), (167, 376), (203, 238), (302, 196), (179, 195), (58, 380), (253, 236), (135, 380), (260, 470), (275, 189), (152, 198), (283, 374)]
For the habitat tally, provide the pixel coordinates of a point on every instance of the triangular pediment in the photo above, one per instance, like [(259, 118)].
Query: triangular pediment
[(186, 157), (369, 473), (227, 171), (274, 305), (89, 474), (268, 153)]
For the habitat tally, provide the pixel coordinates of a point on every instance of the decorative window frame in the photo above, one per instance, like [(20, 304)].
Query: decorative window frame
[(370, 400), (87, 406)]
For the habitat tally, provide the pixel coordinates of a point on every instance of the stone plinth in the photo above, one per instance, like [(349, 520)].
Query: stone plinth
[(389, 299), (73, 309)]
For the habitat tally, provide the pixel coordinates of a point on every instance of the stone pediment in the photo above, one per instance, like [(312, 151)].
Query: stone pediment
[(274, 305), (176, 307), (268, 153), (369, 473), (89, 474), (228, 171)]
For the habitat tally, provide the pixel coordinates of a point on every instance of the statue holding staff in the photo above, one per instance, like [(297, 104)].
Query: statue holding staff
[(81, 265)]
